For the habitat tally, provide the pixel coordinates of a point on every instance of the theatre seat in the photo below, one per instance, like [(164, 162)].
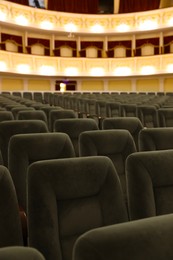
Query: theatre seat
[(13, 127), (10, 225), (66, 198), (149, 239), (74, 127), (117, 144), (20, 253), (150, 183), (25, 149)]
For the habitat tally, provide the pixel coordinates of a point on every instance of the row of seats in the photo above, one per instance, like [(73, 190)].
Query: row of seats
[(152, 110), (68, 197)]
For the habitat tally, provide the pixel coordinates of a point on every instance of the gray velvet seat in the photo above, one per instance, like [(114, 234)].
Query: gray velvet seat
[(16, 110), (20, 253), (10, 225), (117, 144), (6, 116), (153, 139), (165, 117), (132, 124), (74, 127), (25, 149), (68, 197), (12, 127), (59, 114), (150, 183), (149, 239), (148, 114), (32, 115)]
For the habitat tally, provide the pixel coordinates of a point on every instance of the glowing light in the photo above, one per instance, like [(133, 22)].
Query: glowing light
[(21, 20), (170, 22), (47, 70), (148, 25), (70, 27), (123, 28), (122, 71), (3, 66), (97, 72), (23, 68), (147, 70), (97, 28), (3, 16), (62, 87), (71, 71), (46, 25), (169, 68)]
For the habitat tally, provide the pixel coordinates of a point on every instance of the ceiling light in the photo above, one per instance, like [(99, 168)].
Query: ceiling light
[(21, 20)]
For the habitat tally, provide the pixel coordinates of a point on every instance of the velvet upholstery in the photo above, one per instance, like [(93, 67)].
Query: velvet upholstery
[(150, 183), (16, 110), (25, 149), (31, 115), (152, 139), (117, 144), (20, 253), (10, 128), (132, 124), (59, 114), (68, 197), (10, 225), (146, 239), (6, 115), (74, 127), (148, 114), (165, 117)]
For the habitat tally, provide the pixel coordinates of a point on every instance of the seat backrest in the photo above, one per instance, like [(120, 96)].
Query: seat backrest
[(132, 124), (20, 253), (74, 127), (16, 110), (150, 183), (32, 114), (165, 117), (13, 127), (68, 197), (149, 238), (10, 225), (116, 144), (6, 115), (25, 149), (153, 139), (148, 114), (59, 114)]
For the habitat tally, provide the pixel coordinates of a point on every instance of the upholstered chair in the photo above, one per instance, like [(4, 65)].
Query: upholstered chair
[(6, 116), (152, 139), (13, 127), (148, 114), (74, 127), (143, 239), (31, 115), (25, 149), (117, 144), (165, 117), (10, 224), (68, 197), (59, 114), (20, 253), (149, 183), (132, 124), (16, 110)]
